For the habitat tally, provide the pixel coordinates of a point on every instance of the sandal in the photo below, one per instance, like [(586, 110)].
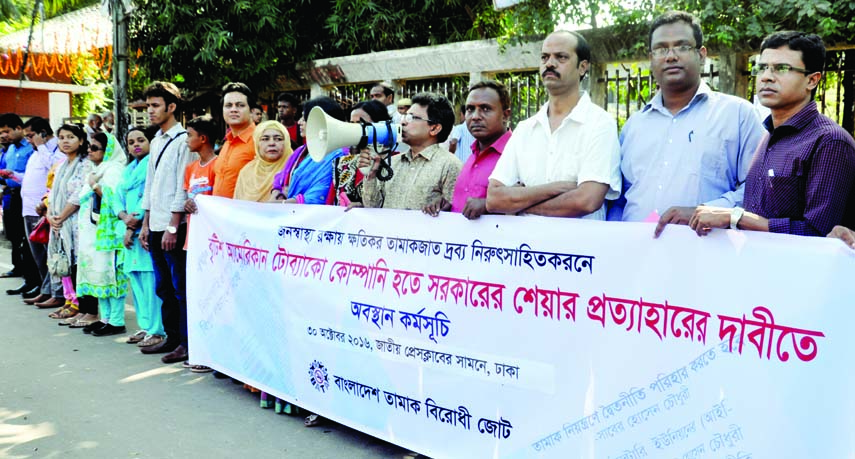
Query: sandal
[(136, 337), (63, 313), (70, 320), (313, 420)]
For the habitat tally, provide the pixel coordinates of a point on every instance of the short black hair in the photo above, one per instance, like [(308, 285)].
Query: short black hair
[(290, 98), (374, 108), (672, 17), (387, 90), (241, 88), (11, 120), (39, 124), (501, 90), (328, 105), (583, 49), (168, 91), (810, 45), (439, 111), (205, 126), (77, 131)]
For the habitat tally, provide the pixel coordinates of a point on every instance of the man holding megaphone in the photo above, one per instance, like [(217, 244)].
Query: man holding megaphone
[(427, 172)]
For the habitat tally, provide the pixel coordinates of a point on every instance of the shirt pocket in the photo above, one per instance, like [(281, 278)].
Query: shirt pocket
[(712, 158), (786, 196)]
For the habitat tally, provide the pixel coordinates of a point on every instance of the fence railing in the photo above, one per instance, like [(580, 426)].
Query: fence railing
[(622, 89)]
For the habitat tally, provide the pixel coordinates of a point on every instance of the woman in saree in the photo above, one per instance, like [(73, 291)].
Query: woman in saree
[(302, 180)]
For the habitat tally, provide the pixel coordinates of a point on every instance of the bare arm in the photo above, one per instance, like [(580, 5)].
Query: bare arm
[(503, 199)]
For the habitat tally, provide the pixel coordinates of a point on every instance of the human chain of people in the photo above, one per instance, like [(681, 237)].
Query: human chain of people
[(93, 217)]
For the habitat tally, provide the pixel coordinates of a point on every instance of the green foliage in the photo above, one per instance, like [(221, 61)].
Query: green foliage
[(205, 43), (17, 14), (362, 26)]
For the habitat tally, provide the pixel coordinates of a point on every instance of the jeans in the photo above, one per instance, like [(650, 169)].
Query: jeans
[(170, 283)]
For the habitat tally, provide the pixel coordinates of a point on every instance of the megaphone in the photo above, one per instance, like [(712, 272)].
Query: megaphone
[(325, 134)]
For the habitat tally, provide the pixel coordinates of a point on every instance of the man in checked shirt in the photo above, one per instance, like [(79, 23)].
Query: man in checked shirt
[(802, 179)]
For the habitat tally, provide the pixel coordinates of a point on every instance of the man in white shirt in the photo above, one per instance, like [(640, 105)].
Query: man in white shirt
[(163, 226), (565, 160)]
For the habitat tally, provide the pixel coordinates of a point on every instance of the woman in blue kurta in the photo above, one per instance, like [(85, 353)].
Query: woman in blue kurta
[(126, 203)]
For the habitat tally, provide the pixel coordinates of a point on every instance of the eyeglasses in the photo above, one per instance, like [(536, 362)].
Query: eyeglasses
[(94, 147), (681, 50), (777, 69), (409, 117)]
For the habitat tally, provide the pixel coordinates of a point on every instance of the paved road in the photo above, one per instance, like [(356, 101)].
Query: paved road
[(64, 394)]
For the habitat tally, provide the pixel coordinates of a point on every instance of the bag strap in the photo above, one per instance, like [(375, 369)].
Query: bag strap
[(162, 151)]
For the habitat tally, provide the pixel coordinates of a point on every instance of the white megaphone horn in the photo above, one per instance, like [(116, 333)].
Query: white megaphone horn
[(325, 134)]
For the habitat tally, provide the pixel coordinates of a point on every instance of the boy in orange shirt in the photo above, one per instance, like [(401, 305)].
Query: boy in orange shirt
[(199, 176)]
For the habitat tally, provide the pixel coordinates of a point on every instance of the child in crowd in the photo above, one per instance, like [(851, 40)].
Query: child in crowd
[(199, 178)]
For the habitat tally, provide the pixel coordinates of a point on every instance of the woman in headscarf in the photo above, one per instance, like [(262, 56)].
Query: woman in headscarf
[(272, 150), (304, 181), (63, 207), (100, 277), (126, 203)]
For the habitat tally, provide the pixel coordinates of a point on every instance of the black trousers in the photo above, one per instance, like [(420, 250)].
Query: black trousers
[(170, 269), (13, 223)]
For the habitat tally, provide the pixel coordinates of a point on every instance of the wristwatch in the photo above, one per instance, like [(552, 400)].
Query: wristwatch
[(735, 214), (173, 230)]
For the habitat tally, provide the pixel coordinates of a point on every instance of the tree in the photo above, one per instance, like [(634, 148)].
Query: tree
[(207, 42), (15, 14)]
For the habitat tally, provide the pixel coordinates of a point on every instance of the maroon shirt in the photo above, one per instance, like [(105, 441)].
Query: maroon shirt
[(803, 175)]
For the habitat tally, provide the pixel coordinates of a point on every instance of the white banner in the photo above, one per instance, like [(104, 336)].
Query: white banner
[(520, 337)]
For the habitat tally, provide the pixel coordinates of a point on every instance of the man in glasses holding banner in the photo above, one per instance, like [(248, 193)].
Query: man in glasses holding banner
[(802, 181), (689, 145)]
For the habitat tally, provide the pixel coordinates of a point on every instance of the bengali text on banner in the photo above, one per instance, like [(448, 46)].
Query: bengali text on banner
[(529, 337)]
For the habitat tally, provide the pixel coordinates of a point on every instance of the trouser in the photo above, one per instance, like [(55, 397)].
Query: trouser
[(13, 223), (170, 283), (146, 302), (112, 310), (37, 251), (88, 305)]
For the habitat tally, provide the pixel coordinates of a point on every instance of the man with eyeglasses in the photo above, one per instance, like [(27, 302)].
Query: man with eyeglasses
[(426, 173), (689, 145), (565, 160), (803, 179)]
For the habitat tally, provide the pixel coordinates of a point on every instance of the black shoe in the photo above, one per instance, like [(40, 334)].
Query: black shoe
[(97, 325), (165, 346), (11, 273), (108, 330), (32, 293), (17, 291)]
